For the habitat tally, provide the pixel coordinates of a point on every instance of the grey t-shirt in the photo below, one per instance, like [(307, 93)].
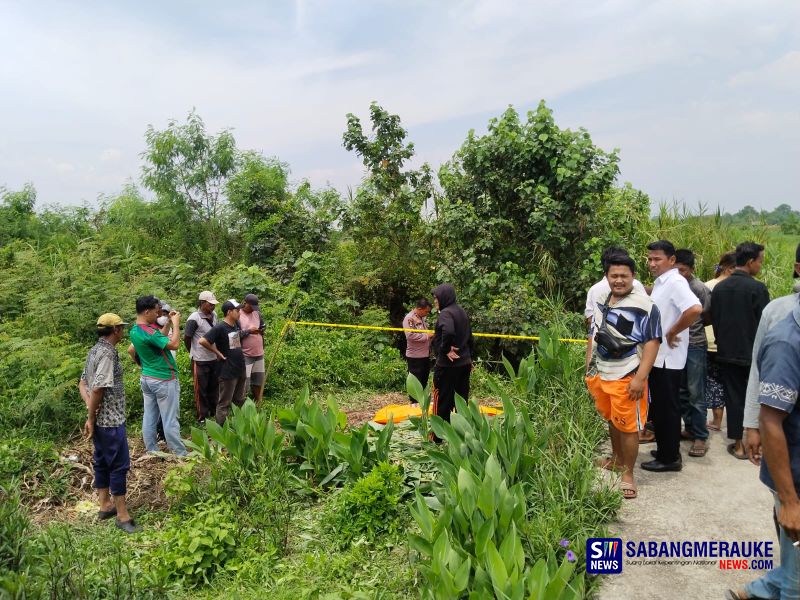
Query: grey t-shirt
[(103, 370), (697, 331)]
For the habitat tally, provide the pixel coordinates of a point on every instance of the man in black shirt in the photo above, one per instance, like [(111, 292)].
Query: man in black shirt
[(453, 346), (736, 305), (225, 340)]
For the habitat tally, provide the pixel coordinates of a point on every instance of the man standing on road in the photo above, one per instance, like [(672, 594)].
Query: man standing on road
[(418, 345), (626, 334), (693, 378), (736, 307), (103, 391), (679, 308), (779, 423), (160, 386), (225, 341), (253, 346), (775, 312), (204, 362), (453, 345)]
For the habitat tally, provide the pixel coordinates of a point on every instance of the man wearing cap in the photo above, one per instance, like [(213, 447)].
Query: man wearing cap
[(204, 362), (253, 345), (103, 391), (225, 341), (159, 379)]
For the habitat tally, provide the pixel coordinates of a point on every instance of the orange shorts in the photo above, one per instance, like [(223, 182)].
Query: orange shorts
[(613, 403)]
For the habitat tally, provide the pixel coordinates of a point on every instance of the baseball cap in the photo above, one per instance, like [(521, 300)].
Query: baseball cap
[(251, 299), (208, 297), (797, 260), (109, 320), (166, 307), (229, 305)]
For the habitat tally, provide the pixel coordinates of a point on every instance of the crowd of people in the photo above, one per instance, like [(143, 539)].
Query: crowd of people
[(227, 358), (658, 359)]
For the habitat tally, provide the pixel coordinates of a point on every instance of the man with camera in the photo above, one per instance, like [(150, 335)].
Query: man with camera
[(626, 330)]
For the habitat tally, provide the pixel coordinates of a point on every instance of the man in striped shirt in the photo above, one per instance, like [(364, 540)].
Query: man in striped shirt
[(625, 334)]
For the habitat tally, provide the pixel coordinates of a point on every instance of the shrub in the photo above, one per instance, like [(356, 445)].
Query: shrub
[(369, 507), (195, 544)]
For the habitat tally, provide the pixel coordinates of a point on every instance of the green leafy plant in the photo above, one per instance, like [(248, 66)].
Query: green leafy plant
[(369, 507), (193, 546), (322, 448)]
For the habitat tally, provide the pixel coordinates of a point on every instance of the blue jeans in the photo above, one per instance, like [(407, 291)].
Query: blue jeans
[(693, 393), (161, 399), (783, 582)]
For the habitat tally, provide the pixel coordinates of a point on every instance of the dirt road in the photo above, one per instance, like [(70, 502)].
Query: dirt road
[(713, 498)]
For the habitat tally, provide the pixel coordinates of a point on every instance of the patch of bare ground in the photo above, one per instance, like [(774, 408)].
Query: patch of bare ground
[(362, 412), (145, 482)]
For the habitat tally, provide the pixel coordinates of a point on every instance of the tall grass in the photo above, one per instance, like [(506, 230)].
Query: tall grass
[(709, 235)]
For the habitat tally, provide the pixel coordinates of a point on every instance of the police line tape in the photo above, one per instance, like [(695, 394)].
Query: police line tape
[(504, 336)]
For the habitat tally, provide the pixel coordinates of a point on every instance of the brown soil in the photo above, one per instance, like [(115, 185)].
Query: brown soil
[(364, 411), (145, 483)]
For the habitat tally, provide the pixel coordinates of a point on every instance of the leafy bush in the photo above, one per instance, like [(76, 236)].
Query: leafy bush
[(195, 544), (369, 507)]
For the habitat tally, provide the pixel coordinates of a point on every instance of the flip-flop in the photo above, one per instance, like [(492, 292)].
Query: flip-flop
[(647, 440), (605, 463), (732, 452), (698, 452), (106, 514), (713, 427), (630, 488)]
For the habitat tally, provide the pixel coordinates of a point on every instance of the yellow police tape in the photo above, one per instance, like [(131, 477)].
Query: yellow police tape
[(376, 328)]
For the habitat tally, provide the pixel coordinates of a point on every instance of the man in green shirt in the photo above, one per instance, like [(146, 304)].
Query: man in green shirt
[(159, 380)]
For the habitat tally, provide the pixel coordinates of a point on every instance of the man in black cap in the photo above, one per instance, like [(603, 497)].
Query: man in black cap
[(453, 347), (253, 345), (225, 341)]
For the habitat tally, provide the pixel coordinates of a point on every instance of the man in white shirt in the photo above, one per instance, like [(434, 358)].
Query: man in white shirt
[(679, 308)]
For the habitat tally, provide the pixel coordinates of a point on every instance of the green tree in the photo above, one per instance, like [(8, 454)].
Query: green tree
[(280, 225), (190, 169), (384, 217), (528, 194), (17, 218)]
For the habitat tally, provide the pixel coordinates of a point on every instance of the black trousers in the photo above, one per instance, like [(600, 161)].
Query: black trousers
[(447, 382), (419, 368), (665, 412), (206, 387), (734, 380)]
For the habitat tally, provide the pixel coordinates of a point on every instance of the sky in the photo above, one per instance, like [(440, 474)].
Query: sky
[(702, 98)]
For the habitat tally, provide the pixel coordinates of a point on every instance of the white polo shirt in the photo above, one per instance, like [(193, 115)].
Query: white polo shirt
[(673, 297)]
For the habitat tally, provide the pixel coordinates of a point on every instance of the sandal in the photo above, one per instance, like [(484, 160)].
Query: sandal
[(732, 452), (698, 451), (647, 439), (106, 514), (629, 491), (713, 427), (608, 464)]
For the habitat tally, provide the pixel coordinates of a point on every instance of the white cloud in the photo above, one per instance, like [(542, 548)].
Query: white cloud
[(782, 74), (89, 82)]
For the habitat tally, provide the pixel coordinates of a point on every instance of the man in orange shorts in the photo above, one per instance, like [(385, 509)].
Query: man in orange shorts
[(625, 334)]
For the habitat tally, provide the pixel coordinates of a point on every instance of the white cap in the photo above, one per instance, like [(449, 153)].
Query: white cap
[(208, 297)]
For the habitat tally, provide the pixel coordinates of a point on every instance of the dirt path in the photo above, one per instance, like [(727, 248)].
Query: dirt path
[(713, 498)]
